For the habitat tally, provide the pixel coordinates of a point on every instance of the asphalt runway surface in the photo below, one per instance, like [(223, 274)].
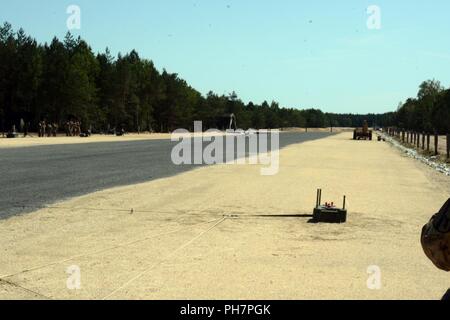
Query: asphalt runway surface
[(32, 177)]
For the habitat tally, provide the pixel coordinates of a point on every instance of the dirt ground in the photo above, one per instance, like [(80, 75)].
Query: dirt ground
[(34, 140), (197, 236), (339, 129)]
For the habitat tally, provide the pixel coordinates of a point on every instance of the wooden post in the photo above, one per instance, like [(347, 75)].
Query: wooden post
[(436, 144), (423, 140), (448, 146)]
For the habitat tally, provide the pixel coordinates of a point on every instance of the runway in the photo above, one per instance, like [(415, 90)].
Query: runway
[(36, 176)]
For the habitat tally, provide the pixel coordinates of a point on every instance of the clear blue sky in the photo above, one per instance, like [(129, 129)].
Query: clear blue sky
[(300, 53)]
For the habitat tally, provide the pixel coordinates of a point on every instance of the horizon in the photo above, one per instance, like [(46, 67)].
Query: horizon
[(227, 46)]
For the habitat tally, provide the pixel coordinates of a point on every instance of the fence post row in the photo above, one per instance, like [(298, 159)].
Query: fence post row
[(414, 138)]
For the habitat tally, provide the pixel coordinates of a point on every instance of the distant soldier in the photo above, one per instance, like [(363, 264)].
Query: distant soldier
[(42, 126), (74, 129), (71, 128), (78, 128), (55, 129), (25, 129), (49, 130)]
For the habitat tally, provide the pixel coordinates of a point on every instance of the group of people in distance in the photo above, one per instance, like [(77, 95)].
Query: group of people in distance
[(47, 129), (73, 128)]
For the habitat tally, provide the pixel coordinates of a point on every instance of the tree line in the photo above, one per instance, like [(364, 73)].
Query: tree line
[(64, 80), (429, 112)]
